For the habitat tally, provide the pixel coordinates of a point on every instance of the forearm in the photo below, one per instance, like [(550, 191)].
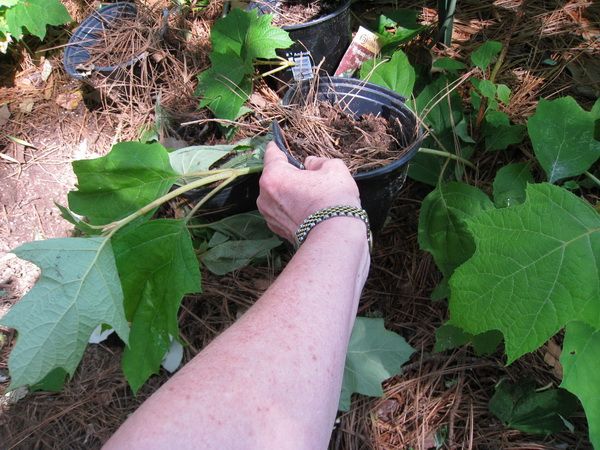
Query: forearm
[(300, 326)]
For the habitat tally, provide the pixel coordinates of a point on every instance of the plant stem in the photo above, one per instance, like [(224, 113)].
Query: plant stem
[(431, 151), (446, 10), (281, 67), (208, 196), (113, 227), (592, 177)]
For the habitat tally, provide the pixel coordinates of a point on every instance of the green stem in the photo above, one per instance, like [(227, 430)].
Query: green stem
[(592, 177), (208, 196), (113, 227), (431, 151), (277, 69)]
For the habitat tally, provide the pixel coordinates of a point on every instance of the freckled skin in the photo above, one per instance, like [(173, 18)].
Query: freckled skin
[(272, 380)]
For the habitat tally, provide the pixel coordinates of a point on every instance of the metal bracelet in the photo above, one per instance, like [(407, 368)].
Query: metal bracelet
[(327, 213)]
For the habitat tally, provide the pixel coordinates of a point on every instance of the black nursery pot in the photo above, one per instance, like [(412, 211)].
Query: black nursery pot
[(88, 33), (378, 187), (239, 197), (326, 37)]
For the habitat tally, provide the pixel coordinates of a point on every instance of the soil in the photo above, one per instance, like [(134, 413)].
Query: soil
[(302, 11), (440, 400), (326, 130)]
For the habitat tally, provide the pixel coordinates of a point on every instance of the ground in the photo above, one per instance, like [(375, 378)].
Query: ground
[(439, 401)]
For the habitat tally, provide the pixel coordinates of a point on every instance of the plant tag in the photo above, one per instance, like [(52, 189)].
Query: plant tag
[(364, 46), (303, 68)]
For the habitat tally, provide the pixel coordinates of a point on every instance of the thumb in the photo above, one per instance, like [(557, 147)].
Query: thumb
[(314, 162), (273, 154)]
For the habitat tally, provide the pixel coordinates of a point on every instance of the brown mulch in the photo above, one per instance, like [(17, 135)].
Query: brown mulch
[(439, 399), (326, 130)]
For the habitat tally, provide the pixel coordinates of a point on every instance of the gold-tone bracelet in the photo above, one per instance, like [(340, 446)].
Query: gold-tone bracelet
[(327, 213)]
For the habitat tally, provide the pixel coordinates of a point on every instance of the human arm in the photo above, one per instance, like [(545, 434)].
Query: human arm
[(273, 379)]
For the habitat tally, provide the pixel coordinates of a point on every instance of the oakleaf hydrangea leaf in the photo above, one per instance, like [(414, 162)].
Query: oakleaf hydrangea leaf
[(34, 16), (118, 184), (248, 35), (374, 355), (581, 369), (521, 407), (157, 266), (510, 183), (535, 268), (562, 134), (235, 254), (78, 290), (396, 74), (442, 228)]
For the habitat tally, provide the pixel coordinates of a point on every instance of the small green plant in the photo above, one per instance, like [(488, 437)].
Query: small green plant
[(238, 42), (18, 17)]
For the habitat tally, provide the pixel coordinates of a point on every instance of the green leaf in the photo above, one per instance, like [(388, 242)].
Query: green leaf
[(157, 266), (248, 35), (581, 368), (34, 16), (499, 133), (78, 290), (503, 93), (53, 382), (485, 87), (397, 26), (562, 134), (441, 117), (233, 255), (520, 407), (442, 228), (485, 54), (510, 183), (374, 355), (396, 74), (243, 226), (449, 65), (535, 268), (197, 158), (79, 224), (448, 337), (111, 187), (226, 86)]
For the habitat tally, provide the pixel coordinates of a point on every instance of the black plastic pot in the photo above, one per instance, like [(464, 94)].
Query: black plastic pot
[(77, 55), (380, 186), (239, 197), (326, 37)]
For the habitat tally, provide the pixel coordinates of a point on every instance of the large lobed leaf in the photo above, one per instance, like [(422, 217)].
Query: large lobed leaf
[(374, 355), (157, 266), (535, 269), (78, 290), (562, 134), (581, 366), (248, 35), (510, 184), (34, 16), (118, 184)]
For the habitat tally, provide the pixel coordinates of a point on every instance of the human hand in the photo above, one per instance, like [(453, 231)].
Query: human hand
[(288, 195)]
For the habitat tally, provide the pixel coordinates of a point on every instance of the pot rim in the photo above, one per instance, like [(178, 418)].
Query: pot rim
[(82, 34), (345, 5)]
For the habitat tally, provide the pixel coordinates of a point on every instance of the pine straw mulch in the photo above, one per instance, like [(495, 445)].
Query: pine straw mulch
[(438, 396)]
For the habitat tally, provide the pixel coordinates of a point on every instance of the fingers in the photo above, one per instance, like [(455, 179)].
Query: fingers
[(273, 154), (314, 162)]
